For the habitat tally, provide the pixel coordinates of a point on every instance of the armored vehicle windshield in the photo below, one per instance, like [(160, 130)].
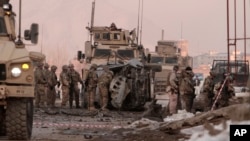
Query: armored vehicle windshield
[(3, 30)]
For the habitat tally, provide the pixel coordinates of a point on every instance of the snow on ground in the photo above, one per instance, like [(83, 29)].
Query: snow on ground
[(181, 114), (203, 132), (144, 122), (199, 133)]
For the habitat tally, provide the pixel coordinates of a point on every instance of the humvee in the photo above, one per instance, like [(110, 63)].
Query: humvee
[(16, 76)]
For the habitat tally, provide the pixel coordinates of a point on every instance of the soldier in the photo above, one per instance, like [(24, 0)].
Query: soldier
[(40, 82), (91, 83), (208, 93), (46, 73), (187, 89), (226, 93), (113, 26), (103, 85), (173, 90), (74, 89), (52, 82), (65, 82)]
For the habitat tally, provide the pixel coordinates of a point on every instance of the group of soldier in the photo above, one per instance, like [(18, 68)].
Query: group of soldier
[(181, 89), (46, 81), (102, 82)]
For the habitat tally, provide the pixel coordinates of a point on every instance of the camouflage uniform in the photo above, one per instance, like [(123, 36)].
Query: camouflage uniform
[(172, 89), (74, 89), (40, 82), (208, 93), (187, 89), (46, 73), (226, 93), (91, 83), (52, 82), (65, 82), (103, 85)]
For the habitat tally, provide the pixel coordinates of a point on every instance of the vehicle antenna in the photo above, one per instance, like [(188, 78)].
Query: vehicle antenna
[(138, 24), (141, 21), (19, 41), (92, 20)]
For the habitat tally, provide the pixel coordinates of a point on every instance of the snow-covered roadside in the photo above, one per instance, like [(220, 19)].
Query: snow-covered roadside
[(181, 114), (206, 132), (199, 133), (150, 124)]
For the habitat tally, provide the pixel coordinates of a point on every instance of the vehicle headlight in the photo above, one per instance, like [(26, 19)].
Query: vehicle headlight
[(16, 72), (25, 66)]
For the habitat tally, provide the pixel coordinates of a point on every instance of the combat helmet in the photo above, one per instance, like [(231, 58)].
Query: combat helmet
[(64, 67), (71, 65), (53, 67), (176, 67), (40, 64), (188, 68), (46, 65)]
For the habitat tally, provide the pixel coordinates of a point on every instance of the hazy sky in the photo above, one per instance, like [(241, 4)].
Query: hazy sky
[(201, 22)]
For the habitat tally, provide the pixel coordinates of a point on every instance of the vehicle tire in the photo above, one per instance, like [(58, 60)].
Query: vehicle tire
[(2, 122), (19, 118)]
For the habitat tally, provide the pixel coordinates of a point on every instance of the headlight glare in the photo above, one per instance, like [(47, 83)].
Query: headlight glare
[(16, 72)]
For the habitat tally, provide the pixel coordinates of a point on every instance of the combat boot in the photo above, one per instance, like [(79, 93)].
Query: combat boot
[(105, 104), (70, 104), (77, 105), (105, 109), (92, 109)]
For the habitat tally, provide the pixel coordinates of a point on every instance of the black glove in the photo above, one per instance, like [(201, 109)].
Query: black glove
[(58, 84)]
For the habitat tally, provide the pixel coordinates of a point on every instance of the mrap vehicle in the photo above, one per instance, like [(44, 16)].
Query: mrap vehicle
[(16, 76), (117, 49), (167, 54)]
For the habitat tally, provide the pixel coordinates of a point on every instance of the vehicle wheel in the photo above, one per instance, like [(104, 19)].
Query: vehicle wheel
[(2, 122), (19, 118)]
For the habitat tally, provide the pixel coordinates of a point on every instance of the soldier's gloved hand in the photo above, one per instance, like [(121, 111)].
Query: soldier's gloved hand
[(58, 83), (81, 82)]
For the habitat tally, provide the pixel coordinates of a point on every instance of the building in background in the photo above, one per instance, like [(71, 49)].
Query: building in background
[(181, 46), (203, 63)]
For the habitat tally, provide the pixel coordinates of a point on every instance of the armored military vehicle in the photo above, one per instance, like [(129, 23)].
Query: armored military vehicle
[(16, 76), (167, 54), (239, 70), (118, 49)]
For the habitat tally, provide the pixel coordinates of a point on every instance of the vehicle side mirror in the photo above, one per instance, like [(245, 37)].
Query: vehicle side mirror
[(80, 55), (32, 33)]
